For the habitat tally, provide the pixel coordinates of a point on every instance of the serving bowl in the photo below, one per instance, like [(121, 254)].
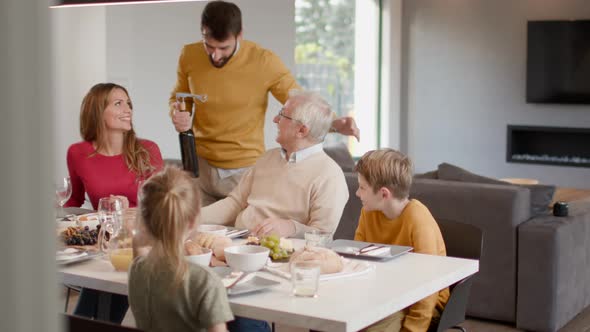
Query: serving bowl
[(201, 259), (212, 229), (246, 258)]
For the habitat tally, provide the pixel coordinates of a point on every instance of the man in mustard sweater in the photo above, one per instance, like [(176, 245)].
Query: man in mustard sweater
[(291, 189), (236, 75), (389, 216)]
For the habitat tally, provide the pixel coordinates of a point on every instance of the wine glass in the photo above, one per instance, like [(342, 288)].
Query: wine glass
[(63, 192)]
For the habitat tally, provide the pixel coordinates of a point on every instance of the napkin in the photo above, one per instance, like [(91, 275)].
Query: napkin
[(377, 252), (230, 278)]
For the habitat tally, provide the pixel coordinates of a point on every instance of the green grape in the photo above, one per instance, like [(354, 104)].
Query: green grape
[(275, 256), (274, 238)]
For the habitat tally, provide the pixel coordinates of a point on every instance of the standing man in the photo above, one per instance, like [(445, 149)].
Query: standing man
[(236, 75)]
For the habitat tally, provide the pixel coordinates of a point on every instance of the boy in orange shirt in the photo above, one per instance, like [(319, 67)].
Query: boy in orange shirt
[(389, 216)]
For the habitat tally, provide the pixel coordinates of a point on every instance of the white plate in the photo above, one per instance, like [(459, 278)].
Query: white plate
[(212, 229), (250, 284), (349, 248), (72, 255), (233, 232), (88, 219), (351, 268)]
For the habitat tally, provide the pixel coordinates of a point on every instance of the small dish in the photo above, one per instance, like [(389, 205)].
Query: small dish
[(246, 258), (202, 259)]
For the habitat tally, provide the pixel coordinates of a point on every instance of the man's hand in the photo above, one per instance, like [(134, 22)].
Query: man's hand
[(347, 126), (277, 226), (181, 120)]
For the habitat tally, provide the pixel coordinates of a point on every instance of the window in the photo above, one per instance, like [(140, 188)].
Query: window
[(337, 54)]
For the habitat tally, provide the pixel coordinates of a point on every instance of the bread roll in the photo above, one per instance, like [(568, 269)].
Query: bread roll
[(329, 261), (217, 243), (192, 248)]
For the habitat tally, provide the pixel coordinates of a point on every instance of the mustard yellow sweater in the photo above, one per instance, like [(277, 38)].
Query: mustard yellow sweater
[(229, 126), (417, 228)]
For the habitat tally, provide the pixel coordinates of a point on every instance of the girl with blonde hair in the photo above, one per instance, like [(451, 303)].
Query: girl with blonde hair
[(165, 292)]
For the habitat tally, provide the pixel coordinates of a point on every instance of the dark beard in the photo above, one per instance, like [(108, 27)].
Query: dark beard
[(226, 60)]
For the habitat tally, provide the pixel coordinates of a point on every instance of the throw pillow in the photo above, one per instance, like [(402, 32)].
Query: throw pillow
[(541, 195)]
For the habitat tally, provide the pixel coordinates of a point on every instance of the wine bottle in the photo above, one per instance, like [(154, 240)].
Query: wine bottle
[(188, 149)]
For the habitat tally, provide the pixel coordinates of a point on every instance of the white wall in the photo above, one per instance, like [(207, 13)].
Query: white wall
[(464, 82), (79, 62), (138, 47)]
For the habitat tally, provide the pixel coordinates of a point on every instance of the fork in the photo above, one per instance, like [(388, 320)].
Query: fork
[(368, 248)]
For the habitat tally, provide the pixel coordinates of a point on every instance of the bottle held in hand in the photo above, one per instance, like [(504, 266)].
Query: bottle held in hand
[(188, 150)]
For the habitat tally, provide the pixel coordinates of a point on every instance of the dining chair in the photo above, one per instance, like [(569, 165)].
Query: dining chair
[(75, 323), (462, 241)]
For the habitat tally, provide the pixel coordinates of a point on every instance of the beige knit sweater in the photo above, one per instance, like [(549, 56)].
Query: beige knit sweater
[(312, 193)]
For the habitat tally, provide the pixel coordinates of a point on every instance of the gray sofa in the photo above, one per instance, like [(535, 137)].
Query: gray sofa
[(534, 269)]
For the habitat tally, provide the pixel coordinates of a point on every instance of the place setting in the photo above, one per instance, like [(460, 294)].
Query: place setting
[(369, 251)]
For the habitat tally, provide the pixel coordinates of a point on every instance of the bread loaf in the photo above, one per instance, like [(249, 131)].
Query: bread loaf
[(329, 261)]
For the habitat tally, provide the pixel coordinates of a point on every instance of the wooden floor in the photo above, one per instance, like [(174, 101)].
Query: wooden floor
[(580, 323)]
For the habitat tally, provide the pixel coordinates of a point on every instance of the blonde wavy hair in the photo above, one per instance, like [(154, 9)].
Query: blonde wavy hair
[(169, 207), (387, 168), (93, 128)]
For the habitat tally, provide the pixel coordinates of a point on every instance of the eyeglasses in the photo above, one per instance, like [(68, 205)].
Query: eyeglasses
[(282, 114)]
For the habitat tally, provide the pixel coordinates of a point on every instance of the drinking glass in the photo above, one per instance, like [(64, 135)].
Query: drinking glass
[(63, 192), (110, 217), (305, 277)]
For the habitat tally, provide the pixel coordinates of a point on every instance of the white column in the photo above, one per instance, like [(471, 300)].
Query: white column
[(392, 127), (28, 285)]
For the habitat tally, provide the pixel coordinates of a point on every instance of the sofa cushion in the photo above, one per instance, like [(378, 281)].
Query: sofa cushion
[(541, 195)]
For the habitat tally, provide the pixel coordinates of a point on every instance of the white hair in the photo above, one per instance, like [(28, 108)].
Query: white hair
[(313, 111)]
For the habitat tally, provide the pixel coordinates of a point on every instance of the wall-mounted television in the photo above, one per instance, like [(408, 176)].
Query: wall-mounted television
[(558, 62)]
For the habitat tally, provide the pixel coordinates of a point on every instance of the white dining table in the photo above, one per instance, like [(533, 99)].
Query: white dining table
[(343, 304)]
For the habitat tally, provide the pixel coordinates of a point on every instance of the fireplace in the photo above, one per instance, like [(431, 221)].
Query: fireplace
[(548, 145)]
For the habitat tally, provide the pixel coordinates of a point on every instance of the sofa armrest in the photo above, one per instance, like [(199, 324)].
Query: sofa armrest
[(496, 210), (352, 210), (553, 269)]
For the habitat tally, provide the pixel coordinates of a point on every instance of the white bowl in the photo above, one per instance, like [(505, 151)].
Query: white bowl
[(203, 259), (213, 229), (246, 258)]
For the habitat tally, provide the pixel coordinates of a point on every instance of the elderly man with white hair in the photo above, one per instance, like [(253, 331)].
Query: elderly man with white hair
[(291, 189)]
